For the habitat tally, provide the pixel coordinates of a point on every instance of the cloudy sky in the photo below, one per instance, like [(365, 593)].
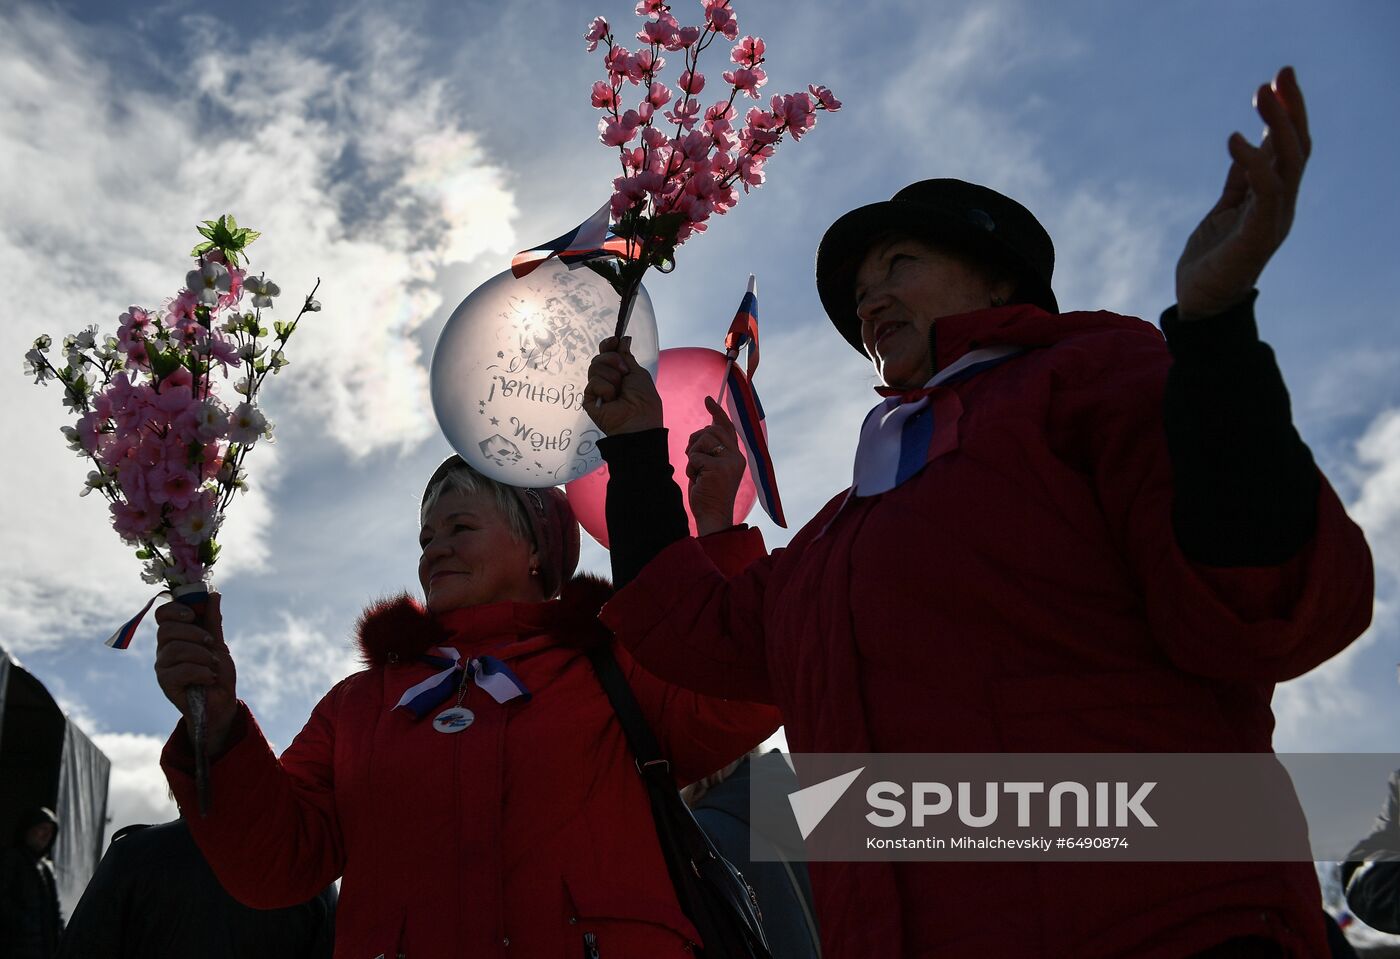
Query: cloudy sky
[(403, 157)]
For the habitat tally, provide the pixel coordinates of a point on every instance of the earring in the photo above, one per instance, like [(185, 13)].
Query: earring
[(534, 571), (998, 301)]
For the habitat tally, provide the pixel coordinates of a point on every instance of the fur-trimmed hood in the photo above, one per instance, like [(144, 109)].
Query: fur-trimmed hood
[(399, 627)]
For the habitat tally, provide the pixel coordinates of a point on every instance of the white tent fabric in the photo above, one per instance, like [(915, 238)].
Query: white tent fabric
[(46, 760)]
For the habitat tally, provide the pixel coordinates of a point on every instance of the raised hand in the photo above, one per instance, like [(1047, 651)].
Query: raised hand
[(620, 396), (715, 467), (190, 654), (1226, 254)]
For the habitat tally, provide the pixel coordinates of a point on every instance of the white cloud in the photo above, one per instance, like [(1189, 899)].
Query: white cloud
[(137, 791), (1377, 508), (1350, 383), (286, 669), (1329, 705), (965, 105), (365, 179)]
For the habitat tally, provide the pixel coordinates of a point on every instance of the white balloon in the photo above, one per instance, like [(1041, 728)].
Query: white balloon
[(511, 365)]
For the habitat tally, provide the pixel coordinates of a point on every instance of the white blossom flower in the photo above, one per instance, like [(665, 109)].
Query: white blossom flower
[(313, 306), (263, 290), (95, 480), (246, 424), (211, 420), (208, 282), (42, 343), (155, 571), (37, 367), (71, 435), (195, 526), (86, 339)]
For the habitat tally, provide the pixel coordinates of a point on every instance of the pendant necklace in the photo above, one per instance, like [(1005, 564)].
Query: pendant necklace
[(457, 718)]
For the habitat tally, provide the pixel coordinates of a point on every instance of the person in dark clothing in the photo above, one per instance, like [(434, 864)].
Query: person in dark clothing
[(31, 922), (1371, 873), (154, 897), (721, 805)]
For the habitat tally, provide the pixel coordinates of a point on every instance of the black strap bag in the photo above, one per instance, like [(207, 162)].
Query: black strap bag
[(712, 893)]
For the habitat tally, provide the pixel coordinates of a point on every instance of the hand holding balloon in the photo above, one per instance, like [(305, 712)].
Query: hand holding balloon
[(715, 467)]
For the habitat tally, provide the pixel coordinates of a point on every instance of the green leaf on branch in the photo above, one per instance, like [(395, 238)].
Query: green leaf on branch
[(163, 364), (226, 236), (609, 270), (208, 552)]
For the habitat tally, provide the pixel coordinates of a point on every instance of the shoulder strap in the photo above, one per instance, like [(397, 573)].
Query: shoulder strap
[(634, 725)]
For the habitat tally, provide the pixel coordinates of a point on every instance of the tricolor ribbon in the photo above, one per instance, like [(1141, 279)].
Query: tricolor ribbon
[(905, 432), (121, 639), (488, 672), (589, 240)]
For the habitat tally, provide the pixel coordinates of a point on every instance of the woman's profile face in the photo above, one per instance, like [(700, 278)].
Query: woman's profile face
[(471, 555), (902, 287)]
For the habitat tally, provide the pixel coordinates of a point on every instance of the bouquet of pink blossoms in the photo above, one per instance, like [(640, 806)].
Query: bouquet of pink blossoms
[(673, 180), (166, 448)]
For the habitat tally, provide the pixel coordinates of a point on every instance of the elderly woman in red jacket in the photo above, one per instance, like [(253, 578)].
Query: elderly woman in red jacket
[(491, 810), (1064, 534)]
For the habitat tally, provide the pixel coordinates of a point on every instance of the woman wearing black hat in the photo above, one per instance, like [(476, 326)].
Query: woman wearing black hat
[(1064, 534), (473, 785)]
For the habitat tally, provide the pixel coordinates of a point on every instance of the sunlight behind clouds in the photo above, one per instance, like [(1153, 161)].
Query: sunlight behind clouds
[(365, 179)]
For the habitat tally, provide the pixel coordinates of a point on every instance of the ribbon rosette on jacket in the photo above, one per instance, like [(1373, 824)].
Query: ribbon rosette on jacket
[(153, 416)]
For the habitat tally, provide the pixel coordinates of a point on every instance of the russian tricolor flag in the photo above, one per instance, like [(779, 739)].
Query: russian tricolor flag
[(748, 423), (587, 241), (743, 332)]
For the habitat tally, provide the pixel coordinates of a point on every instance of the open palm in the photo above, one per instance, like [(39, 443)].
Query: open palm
[(1227, 252)]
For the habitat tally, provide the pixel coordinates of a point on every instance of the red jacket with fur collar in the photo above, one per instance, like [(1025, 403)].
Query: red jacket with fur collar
[(512, 838)]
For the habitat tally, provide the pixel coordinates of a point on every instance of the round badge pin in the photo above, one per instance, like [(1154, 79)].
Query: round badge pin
[(453, 720)]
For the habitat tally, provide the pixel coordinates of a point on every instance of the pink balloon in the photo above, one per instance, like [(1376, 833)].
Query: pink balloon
[(684, 377)]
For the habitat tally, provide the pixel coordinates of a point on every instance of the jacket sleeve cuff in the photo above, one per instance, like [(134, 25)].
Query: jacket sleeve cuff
[(733, 549), (1213, 338), (637, 456)]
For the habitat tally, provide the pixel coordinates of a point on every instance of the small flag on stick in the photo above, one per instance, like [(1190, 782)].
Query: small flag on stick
[(589, 240), (748, 411), (753, 434)]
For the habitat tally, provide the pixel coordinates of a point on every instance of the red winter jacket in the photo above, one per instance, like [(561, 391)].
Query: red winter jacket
[(1023, 593), (512, 838)]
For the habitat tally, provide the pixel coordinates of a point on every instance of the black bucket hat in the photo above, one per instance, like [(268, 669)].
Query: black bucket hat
[(965, 217)]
